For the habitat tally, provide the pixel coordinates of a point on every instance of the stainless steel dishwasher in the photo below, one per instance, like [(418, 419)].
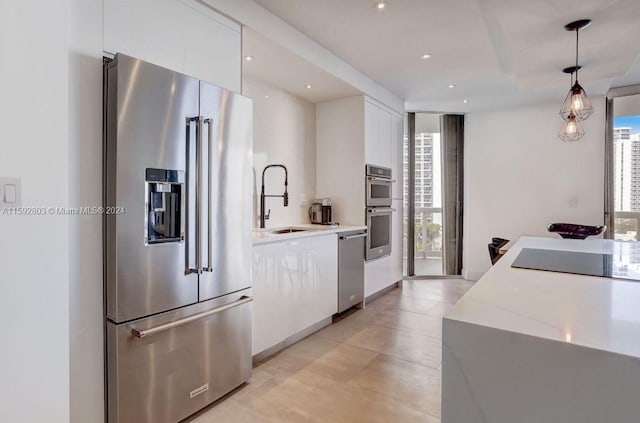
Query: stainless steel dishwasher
[(351, 248)]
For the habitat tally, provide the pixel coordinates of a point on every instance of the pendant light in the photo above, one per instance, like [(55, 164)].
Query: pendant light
[(577, 102), (571, 129)]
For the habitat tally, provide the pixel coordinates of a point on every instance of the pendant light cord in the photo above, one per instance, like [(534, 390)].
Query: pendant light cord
[(577, 31)]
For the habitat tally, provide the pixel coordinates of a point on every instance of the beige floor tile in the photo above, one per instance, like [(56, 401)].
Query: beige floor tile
[(403, 344), (380, 364), (421, 323), (416, 386)]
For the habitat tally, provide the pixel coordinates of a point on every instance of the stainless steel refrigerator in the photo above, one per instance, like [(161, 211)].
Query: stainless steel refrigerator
[(178, 202)]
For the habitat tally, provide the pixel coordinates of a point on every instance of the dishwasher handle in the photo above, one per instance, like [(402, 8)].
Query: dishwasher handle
[(348, 237)]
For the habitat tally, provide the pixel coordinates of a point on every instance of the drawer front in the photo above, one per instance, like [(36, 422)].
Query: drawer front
[(169, 375)]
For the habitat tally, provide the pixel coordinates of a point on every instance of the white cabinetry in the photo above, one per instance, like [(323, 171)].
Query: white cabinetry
[(182, 35), (377, 135), (397, 155), (350, 133), (295, 285)]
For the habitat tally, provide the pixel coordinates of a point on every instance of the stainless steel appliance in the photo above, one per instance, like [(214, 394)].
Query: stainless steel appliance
[(350, 269), (378, 215), (378, 185), (320, 211), (379, 232), (178, 163)]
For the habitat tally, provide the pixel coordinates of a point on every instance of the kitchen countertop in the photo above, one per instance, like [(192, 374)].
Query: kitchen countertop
[(590, 311), (264, 236), (533, 346)]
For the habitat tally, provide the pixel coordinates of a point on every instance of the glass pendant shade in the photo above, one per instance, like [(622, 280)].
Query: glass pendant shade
[(571, 130), (577, 103)]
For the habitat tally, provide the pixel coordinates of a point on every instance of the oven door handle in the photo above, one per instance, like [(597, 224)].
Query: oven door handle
[(376, 178), (381, 210)]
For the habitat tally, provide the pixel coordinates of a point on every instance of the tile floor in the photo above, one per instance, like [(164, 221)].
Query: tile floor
[(379, 364)]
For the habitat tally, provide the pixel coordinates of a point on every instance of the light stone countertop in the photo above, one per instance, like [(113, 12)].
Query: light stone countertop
[(594, 312), (263, 236)]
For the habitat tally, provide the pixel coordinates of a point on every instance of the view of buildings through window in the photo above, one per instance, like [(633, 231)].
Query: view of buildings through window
[(428, 202), (626, 140)]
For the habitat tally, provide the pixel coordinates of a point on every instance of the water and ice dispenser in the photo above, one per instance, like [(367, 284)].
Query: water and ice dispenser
[(165, 204)]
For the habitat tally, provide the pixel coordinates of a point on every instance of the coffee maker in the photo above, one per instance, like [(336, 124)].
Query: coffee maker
[(320, 211)]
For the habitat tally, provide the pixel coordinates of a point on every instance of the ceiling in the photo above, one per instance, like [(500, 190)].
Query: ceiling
[(497, 52), (279, 67)]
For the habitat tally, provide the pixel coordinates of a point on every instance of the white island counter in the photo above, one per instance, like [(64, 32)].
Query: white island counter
[(535, 346)]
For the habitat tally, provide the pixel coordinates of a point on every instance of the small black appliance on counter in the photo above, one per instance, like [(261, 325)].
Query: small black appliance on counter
[(320, 212)]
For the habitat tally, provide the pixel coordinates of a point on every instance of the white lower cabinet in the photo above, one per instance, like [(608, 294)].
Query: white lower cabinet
[(295, 285)]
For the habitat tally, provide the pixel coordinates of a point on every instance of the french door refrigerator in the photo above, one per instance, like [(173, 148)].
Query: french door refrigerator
[(178, 202)]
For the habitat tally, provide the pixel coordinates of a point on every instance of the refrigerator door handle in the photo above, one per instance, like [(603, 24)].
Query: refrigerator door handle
[(209, 123), (188, 267), (141, 333), (199, 193)]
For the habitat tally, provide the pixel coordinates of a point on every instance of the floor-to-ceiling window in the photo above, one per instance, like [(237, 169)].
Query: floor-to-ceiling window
[(424, 196), (427, 200), (625, 157)]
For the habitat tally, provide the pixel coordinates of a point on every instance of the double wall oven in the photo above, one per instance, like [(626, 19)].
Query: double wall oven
[(378, 211)]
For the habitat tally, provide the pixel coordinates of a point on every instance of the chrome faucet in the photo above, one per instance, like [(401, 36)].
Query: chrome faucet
[(284, 196)]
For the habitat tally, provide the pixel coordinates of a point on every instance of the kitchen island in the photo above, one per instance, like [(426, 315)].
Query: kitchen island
[(546, 347)]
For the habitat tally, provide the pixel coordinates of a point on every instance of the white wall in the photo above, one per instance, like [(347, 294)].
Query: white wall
[(34, 256), (519, 177), (85, 232), (626, 106), (340, 157), (284, 132)]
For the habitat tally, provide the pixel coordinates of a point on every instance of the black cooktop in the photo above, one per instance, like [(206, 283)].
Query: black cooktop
[(624, 263)]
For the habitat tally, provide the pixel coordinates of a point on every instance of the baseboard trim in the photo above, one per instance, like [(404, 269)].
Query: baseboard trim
[(383, 291), (261, 356)]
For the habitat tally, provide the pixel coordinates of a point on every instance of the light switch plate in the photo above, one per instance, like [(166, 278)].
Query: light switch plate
[(10, 187)]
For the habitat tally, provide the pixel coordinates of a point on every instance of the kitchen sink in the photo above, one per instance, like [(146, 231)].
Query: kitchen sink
[(286, 230), (282, 230)]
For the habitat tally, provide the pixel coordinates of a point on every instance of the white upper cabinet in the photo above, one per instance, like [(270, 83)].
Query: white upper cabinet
[(182, 35), (397, 158), (377, 133)]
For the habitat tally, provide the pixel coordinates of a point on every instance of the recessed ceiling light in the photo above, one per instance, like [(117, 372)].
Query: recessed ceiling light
[(465, 101), (248, 58), (308, 85), (381, 5), (266, 96), (425, 56), (451, 85)]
